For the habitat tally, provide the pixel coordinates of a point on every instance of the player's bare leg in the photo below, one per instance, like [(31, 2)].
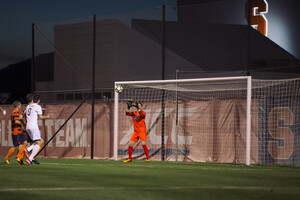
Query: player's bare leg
[(130, 151)]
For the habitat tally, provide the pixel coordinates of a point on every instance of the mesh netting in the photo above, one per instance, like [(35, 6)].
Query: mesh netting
[(206, 120)]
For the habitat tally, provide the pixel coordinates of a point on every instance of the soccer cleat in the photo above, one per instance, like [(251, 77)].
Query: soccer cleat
[(29, 162), (20, 161), (148, 160), (7, 162), (128, 160), (35, 161)]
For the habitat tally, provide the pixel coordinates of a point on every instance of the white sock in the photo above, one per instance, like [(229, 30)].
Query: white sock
[(30, 148), (35, 150)]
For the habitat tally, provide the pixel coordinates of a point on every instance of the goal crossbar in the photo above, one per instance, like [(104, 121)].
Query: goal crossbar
[(180, 80)]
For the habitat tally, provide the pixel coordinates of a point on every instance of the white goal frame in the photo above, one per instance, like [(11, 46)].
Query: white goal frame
[(248, 118)]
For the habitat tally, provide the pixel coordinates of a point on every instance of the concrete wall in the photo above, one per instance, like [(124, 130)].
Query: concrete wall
[(122, 54)]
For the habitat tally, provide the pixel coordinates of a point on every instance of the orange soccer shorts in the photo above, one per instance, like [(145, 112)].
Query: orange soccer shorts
[(135, 136)]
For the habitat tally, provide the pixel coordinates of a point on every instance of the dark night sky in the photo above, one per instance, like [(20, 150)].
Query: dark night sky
[(16, 18)]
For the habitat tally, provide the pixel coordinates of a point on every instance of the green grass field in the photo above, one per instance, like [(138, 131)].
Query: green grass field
[(108, 179)]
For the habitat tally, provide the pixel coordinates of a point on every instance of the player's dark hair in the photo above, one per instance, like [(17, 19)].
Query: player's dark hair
[(16, 103), (139, 102), (29, 98), (36, 98)]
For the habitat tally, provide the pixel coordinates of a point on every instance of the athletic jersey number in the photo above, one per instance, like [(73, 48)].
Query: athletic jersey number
[(28, 111)]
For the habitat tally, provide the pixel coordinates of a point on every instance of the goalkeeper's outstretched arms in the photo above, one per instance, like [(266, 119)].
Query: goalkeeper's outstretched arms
[(129, 105)]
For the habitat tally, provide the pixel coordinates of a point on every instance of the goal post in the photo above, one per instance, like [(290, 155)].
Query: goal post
[(116, 115), (248, 118), (197, 99)]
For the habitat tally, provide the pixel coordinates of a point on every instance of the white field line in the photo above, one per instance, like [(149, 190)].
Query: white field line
[(150, 188)]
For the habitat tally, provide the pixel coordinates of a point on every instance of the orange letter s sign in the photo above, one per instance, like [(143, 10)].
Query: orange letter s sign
[(257, 17), (281, 132)]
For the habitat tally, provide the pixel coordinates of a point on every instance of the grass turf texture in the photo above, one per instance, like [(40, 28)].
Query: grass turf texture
[(108, 179)]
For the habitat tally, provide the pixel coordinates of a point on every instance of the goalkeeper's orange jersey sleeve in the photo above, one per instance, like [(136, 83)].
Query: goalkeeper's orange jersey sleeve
[(138, 119)]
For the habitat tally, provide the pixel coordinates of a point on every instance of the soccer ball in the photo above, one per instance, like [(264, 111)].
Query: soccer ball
[(119, 88)]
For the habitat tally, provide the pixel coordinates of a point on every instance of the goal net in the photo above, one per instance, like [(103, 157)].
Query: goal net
[(276, 121), (195, 119), (231, 119)]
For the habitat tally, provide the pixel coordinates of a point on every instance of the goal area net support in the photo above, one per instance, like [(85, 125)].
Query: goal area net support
[(227, 119)]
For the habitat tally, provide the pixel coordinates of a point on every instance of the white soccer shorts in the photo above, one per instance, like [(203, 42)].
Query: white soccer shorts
[(34, 134)]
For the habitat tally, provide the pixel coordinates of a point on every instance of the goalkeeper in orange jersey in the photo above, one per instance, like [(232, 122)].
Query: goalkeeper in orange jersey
[(140, 131)]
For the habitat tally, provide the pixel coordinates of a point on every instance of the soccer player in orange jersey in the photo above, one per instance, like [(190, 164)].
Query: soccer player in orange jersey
[(16, 129), (23, 140), (140, 131)]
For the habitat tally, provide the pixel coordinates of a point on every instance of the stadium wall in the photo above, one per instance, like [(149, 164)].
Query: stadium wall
[(219, 139)]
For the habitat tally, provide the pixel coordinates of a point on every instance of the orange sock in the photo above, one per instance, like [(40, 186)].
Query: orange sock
[(21, 157), (10, 153), (40, 149), (21, 152)]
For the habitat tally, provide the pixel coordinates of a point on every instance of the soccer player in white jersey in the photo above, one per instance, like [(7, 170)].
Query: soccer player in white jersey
[(33, 112)]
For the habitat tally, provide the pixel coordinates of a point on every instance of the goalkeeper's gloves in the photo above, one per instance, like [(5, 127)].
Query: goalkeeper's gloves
[(137, 104), (129, 105)]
